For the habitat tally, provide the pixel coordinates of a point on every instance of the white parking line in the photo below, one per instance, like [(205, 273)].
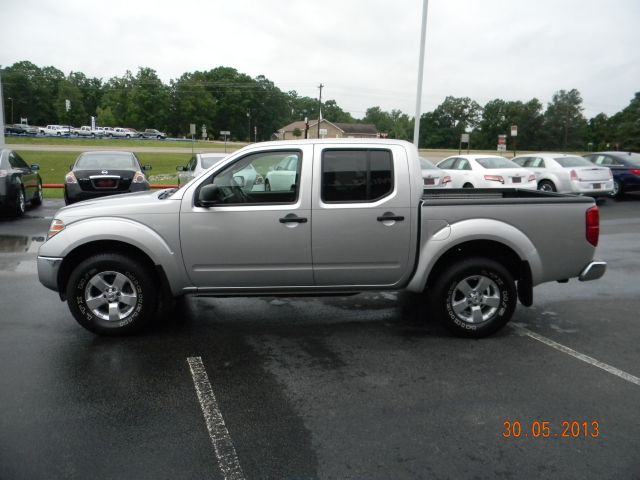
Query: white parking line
[(580, 356), (220, 438)]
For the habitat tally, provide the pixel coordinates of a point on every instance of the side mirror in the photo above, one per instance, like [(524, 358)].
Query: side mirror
[(146, 167), (35, 167), (239, 179), (70, 167), (208, 196), (181, 168)]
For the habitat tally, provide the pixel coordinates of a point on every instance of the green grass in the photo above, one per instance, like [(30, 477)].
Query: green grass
[(55, 165), (116, 142)]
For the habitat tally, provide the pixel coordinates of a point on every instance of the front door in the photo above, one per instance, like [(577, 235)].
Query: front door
[(250, 237)]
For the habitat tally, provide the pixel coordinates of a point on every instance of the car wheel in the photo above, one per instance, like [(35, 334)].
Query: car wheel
[(37, 199), (112, 294), (20, 203), (267, 186), (617, 190), (547, 186), (467, 185), (475, 297), (159, 137)]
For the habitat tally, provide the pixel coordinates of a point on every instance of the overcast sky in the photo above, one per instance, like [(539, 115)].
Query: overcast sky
[(365, 52)]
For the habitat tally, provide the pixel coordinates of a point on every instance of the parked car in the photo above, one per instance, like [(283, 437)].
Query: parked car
[(432, 176), (87, 131), (121, 132), (131, 133), (101, 173), (19, 183), (625, 168), (57, 130), (248, 178), (559, 172), (108, 131), (20, 129), (153, 133), (487, 171), (357, 220)]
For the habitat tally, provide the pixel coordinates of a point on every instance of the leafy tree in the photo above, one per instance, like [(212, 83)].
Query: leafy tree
[(564, 125), (150, 101), (600, 132), (76, 115), (442, 127), (626, 126)]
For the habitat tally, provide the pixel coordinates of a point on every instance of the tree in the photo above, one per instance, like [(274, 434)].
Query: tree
[(442, 127), (564, 125), (76, 115), (150, 101), (626, 126), (499, 115)]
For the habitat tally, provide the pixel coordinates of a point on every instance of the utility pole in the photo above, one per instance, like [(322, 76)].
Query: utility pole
[(320, 108), (423, 35), (1, 116)]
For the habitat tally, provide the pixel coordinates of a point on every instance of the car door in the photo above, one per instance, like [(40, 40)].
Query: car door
[(247, 239), (361, 215), (28, 177)]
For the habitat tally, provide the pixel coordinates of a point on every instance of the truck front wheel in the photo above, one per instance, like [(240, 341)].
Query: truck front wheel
[(112, 294), (475, 297)]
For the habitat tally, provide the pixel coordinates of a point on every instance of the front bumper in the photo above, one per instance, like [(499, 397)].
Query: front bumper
[(593, 271), (48, 268)]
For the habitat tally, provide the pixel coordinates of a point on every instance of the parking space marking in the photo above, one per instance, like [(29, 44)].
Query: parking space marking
[(580, 356), (220, 438)]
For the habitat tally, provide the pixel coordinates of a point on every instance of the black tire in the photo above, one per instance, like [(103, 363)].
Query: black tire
[(617, 190), (493, 301), (36, 201), (20, 202), (112, 285), (547, 186), (267, 186), (467, 185)]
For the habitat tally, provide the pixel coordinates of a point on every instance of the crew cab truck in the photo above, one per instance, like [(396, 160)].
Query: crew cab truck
[(354, 217)]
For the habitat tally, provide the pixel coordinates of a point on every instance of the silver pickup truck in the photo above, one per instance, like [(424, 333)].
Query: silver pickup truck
[(352, 216)]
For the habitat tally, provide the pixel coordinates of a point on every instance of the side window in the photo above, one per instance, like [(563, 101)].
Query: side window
[(255, 179), (463, 164), (447, 164), (538, 163), (356, 175), (522, 161)]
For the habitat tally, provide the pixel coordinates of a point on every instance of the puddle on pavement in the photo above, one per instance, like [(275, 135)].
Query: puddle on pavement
[(19, 243)]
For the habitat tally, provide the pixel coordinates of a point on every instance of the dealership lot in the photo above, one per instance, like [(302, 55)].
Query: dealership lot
[(355, 387)]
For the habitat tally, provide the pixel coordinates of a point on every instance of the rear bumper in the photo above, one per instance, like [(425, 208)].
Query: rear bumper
[(48, 268), (593, 271)]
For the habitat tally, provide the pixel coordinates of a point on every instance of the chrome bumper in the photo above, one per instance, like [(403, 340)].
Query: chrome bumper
[(48, 271), (593, 271)]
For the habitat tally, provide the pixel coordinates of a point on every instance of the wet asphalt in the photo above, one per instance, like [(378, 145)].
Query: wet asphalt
[(348, 387)]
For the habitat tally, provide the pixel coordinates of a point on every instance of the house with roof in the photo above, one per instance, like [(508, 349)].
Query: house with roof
[(333, 130)]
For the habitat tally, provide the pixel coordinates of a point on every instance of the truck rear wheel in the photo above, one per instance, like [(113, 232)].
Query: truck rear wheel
[(475, 297), (112, 294)]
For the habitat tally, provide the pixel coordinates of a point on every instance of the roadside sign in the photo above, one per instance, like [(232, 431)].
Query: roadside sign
[(514, 130), (464, 138), (225, 132), (323, 132), (93, 122), (502, 143), (192, 128), (67, 104)]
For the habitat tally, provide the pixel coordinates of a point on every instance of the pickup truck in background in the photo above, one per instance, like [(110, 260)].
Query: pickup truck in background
[(58, 130), (153, 133), (353, 216)]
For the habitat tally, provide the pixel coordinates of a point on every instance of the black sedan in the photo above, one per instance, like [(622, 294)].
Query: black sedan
[(101, 173), (19, 183), (625, 167), (20, 129)]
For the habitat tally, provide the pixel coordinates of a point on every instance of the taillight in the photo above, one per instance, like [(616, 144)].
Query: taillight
[(635, 171), (4, 173), (70, 178), (593, 226), (494, 178), (138, 177), (446, 179), (574, 176), (532, 178)]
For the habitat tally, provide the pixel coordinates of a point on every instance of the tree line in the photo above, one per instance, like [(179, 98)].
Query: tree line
[(255, 108)]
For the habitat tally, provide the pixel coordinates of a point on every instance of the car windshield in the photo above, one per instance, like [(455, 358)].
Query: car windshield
[(107, 161), (211, 161), (426, 164), (573, 162), (496, 162)]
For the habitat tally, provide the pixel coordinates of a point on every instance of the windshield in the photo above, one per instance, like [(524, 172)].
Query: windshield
[(112, 161), (497, 162), (211, 161), (573, 162), (426, 164)]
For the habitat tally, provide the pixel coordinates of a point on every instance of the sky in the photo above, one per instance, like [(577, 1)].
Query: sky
[(364, 52)]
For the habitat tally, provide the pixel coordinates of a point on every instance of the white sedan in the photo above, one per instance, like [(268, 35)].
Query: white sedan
[(432, 176), (558, 172), (248, 177), (487, 171)]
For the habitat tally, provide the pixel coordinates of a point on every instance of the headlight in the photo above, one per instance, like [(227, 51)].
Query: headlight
[(56, 227), (70, 178)]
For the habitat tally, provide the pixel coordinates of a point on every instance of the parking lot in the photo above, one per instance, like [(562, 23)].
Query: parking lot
[(355, 387)]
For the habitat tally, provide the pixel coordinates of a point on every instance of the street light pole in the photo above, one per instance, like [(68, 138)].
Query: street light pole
[(249, 126), (423, 35), (320, 108), (11, 108)]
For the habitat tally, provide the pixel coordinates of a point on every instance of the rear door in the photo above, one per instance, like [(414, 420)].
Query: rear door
[(361, 215), (250, 239), (28, 177)]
